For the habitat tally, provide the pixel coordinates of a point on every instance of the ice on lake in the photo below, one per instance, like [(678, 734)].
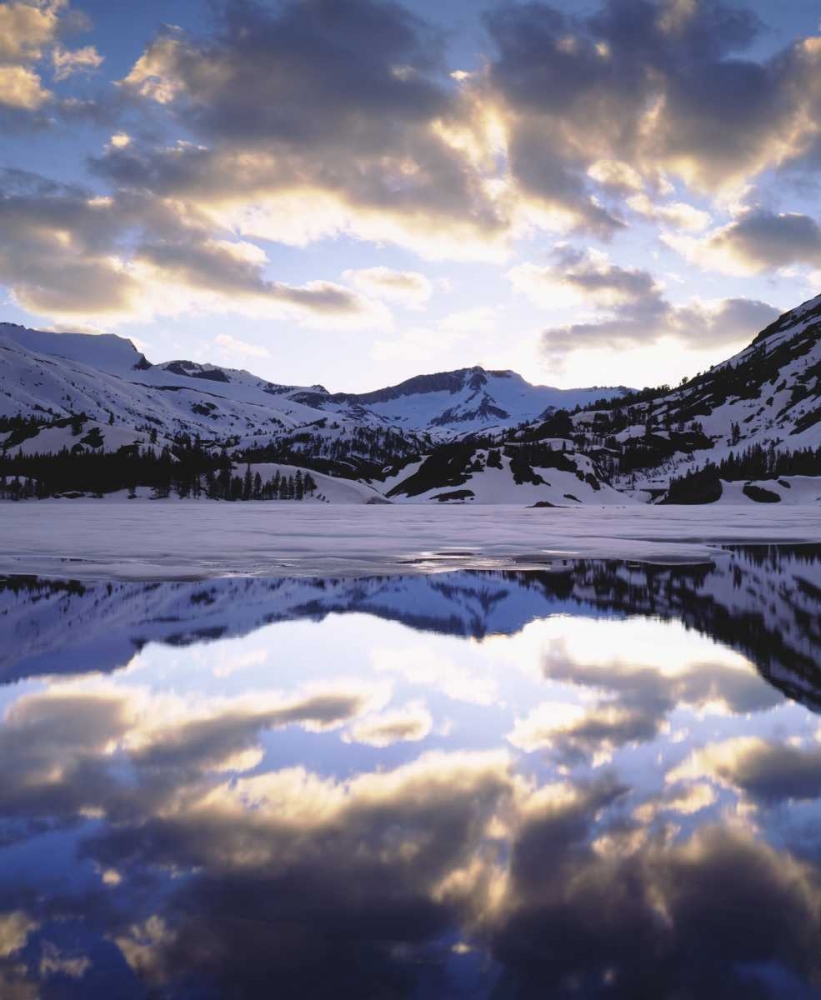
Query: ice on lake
[(600, 779)]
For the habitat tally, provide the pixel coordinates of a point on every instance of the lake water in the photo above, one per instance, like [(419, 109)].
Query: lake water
[(600, 780)]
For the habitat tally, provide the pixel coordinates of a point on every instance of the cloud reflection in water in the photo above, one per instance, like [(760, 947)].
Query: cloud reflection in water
[(486, 785)]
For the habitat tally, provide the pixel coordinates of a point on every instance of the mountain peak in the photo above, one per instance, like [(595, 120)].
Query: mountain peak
[(104, 351)]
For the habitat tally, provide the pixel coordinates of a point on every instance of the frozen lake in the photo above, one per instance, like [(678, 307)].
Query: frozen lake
[(179, 539), (601, 780)]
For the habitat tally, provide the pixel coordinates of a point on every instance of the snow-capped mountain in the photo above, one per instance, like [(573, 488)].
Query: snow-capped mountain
[(469, 399), (105, 377), (61, 374), (746, 431)]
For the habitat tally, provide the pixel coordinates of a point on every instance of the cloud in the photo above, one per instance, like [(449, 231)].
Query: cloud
[(375, 874), (29, 30), (360, 139), (574, 123), (67, 62), (403, 725), (682, 800), (582, 278), (758, 242), (766, 771), (616, 175), (662, 87), (370, 137), (425, 667), (76, 257), (629, 922), (232, 346), (638, 313), (15, 929), (677, 215), (628, 703), (628, 307), (579, 732), (62, 767), (408, 288), (21, 88), (26, 28), (288, 846), (53, 962)]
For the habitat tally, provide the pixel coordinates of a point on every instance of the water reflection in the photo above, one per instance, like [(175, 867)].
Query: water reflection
[(603, 780)]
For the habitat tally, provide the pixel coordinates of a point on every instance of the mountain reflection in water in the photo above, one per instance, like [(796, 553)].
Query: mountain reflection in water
[(602, 780)]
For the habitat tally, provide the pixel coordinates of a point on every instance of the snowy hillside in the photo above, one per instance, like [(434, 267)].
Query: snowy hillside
[(767, 397)]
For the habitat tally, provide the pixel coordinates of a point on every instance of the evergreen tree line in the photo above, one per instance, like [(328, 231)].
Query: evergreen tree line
[(760, 462), (186, 470), (251, 486), (754, 463)]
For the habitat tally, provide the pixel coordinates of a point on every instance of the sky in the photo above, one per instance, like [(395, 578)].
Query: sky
[(352, 192)]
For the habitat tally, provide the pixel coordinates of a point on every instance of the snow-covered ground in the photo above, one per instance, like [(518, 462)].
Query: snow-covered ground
[(177, 539)]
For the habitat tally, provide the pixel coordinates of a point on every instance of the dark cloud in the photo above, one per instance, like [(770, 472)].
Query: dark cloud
[(202, 744), (68, 733), (660, 85), (334, 66), (219, 268), (31, 36), (762, 241), (584, 278), (769, 772), (56, 250), (354, 876), (664, 921), (340, 97), (644, 322)]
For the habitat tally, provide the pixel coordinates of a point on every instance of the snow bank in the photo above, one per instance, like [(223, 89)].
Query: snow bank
[(792, 490), (188, 540)]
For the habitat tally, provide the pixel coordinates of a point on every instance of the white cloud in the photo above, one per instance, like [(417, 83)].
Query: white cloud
[(409, 288), (21, 88), (67, 62), (410, 724)]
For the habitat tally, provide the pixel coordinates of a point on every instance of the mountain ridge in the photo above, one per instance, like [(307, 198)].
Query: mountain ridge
[(470, 435)]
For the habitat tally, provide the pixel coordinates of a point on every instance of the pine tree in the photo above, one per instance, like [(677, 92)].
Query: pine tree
[(248, 483)]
